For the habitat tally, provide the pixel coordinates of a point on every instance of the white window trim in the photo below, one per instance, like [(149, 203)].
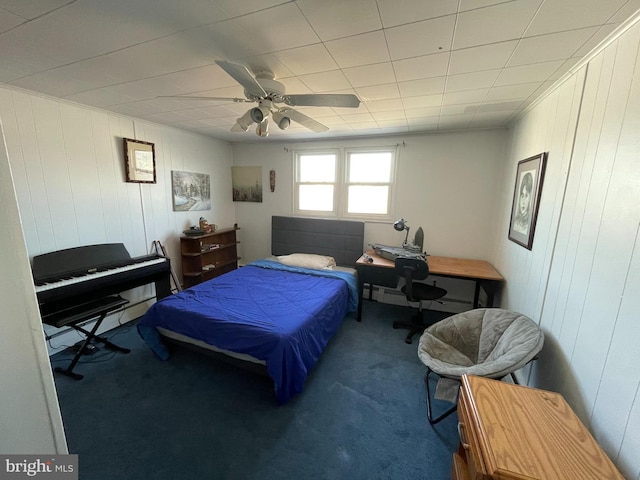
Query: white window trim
[(336, 183), (341, 185), (392, 179)]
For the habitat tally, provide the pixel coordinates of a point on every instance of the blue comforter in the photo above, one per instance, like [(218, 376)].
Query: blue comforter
[(282, 315)]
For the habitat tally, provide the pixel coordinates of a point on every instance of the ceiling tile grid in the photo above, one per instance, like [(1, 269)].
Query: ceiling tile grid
[(415, 65)]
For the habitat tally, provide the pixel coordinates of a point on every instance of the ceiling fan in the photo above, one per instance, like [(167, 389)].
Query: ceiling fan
[(267, 92)]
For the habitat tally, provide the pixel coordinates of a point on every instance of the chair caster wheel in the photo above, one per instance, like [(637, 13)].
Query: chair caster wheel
[(408, 340)]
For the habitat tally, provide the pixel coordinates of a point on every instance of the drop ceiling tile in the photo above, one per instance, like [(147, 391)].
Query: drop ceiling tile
[(237, 8), (426, 66), (546, 48), (366, 75), (9, 20), (425, 101), (572, 14), (101, 98), (423, 86), (465, 96), (325, 81), (486, 57), (389, 115), (471, 81), (597, 38), (363, 49), (509, 92), (507, 106), (398, 12), (497, 23), (535, 72), (32, 8), (297, 33), (465, 108), (391, 104), (421, 38), (307, 59), (626, 11), (473, 4), (378, 92), (333, 19)]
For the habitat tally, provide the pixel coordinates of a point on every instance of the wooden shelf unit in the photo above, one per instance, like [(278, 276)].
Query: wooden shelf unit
[(208, 256)]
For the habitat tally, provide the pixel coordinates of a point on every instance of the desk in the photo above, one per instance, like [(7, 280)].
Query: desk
[(382, 272)]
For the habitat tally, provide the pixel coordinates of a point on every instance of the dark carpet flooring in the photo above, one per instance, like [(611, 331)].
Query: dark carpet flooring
[(362, 414)]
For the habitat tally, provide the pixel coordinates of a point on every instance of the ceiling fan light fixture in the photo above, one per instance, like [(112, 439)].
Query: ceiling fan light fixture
[(256, 114), (281, 120), (263, 128), (245, 121)]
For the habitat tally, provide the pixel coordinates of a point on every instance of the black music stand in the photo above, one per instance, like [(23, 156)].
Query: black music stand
[(75, 315)]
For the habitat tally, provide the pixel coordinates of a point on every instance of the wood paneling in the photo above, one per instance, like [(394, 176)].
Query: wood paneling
[(582, 278), (68, 171)]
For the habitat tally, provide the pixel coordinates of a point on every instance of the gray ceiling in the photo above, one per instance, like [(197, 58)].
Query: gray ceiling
[(416, 65)]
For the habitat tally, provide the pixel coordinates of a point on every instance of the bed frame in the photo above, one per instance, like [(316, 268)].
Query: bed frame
[(340, 239)]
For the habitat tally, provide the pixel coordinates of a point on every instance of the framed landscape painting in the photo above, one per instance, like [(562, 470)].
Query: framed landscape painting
[(191, 191)]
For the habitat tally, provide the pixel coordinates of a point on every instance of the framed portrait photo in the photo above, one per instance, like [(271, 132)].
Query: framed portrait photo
[(139, 161), (526, 198)]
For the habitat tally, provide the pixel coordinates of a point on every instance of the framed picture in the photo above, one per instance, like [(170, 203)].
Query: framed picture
[(247, 184), (139, 161), (191, 191), (526, 198)]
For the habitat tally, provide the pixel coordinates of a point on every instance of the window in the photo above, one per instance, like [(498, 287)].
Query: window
[(368, 182), (347, 183)]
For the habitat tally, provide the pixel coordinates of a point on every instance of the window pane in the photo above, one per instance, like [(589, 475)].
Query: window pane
[(370, 167), (368, 199), (316, 197), (317, 168)]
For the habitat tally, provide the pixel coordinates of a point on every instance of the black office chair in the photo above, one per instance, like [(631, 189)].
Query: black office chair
[(412, 269)]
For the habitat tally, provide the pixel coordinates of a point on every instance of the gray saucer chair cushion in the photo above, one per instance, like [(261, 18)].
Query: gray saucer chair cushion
[(488, 342)]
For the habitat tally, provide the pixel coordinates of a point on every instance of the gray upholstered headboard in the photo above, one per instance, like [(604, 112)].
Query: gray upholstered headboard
[(340, 239)]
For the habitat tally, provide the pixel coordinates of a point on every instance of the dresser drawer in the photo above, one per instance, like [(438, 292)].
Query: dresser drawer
[(469, 441)]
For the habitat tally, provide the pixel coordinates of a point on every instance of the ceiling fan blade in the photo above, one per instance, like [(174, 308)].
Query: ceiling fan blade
[(323, 100), (218, 99), (243, 76), (303, 120)]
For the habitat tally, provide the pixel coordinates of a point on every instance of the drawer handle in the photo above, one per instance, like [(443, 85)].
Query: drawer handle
[(463, 437)]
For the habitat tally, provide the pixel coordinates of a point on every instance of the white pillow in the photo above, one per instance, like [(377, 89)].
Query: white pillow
[(308, 260)]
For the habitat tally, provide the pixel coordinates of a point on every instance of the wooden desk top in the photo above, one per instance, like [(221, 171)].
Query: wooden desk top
[(446, 266), (521, 432)]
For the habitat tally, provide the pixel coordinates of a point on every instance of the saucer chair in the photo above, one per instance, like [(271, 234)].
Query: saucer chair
[(487, 342)]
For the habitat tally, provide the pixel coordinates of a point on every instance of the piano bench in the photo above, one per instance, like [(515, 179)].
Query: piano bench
[(73, 316)]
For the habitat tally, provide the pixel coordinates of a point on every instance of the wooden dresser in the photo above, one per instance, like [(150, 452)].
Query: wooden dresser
[(510, 431)]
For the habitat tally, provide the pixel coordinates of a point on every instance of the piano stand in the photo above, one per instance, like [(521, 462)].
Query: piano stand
[(99, 308)]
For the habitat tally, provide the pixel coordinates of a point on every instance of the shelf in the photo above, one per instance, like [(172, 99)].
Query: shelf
[(196, 255)]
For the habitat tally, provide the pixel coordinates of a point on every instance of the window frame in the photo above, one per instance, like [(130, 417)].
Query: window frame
[(341, 183), (336, 183), (346, 183)]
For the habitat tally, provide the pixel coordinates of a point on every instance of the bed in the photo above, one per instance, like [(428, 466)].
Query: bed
[(275, 312)]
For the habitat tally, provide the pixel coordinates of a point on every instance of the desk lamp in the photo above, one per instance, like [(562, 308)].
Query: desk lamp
[(401, 225)]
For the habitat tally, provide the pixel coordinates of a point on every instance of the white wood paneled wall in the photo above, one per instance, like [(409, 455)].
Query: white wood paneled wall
[(581, 281), (68, 168)]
